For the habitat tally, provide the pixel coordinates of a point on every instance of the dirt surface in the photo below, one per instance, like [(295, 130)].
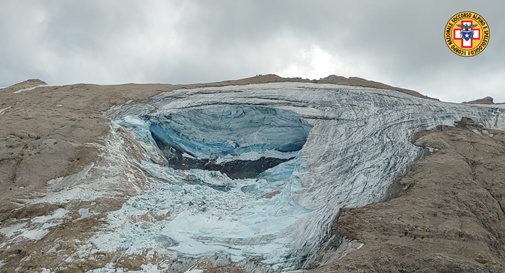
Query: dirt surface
[(449, 217)]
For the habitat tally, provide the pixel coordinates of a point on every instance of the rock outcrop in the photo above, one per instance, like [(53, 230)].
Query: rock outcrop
[(486, 100), (355, 81)]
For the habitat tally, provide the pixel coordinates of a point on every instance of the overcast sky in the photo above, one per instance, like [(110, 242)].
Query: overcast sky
[(396, 42)]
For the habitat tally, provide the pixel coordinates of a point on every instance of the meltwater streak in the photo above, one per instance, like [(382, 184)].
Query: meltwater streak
[(359, 141)]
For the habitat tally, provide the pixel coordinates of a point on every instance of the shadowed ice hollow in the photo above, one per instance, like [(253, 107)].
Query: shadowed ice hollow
[(239, 141)]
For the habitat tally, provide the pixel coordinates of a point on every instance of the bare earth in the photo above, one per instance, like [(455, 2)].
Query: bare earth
[(449, 215)]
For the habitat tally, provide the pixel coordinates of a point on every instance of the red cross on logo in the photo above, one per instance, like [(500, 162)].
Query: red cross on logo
[(465, 43)]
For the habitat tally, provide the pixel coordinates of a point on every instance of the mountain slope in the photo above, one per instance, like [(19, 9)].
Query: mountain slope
[(140, 176)]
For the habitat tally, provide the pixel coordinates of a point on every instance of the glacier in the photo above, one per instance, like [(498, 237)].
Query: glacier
[(256, 174)]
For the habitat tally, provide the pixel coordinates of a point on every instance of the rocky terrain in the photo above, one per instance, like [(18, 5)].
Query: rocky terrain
[(445, 214)]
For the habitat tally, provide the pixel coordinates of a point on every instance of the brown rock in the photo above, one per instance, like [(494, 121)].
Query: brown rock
[(355, 81), (486, 100)]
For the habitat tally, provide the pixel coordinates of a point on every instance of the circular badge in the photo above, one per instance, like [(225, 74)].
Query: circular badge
[(467, 34)]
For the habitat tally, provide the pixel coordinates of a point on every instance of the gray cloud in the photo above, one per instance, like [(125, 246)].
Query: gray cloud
[(396, 42)]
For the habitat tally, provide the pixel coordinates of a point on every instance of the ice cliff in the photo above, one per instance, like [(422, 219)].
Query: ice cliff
[(257, 173)]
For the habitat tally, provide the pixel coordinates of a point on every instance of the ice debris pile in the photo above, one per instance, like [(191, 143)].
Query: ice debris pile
[(257, 173)]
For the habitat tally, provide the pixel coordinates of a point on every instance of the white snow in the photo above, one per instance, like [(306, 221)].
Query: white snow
[(2, 111), (109, 268), (1, 264), (34, 229), (12, 230), (254, 155), (72, 187), (84, 213), (35, 234), (29, 89)]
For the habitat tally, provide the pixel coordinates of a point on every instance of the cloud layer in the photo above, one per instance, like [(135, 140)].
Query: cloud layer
[(396, 42)]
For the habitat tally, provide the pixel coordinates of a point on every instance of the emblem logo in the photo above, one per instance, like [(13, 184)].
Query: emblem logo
[(467, 34)]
